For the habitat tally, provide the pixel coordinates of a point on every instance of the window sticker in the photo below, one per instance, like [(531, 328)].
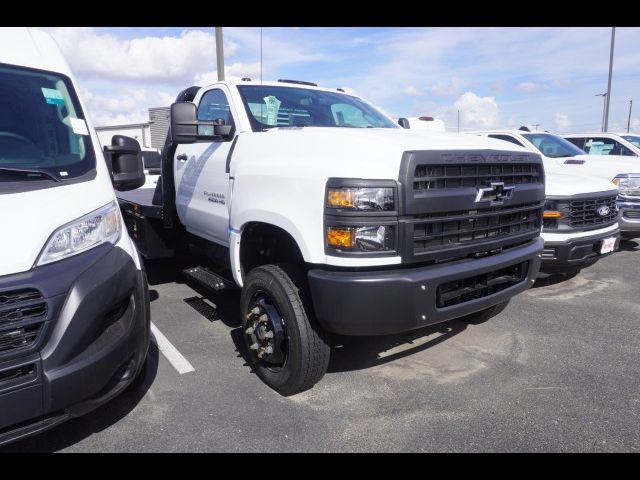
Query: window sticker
[(273, 104), (79, 126), (52, 96)]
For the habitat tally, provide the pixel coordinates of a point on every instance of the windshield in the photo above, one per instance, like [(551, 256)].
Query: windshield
[(42, 128), (553, 146), (632, 139), (270, 107)]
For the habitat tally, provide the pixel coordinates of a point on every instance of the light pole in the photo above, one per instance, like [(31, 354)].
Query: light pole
[(219, 54), (629, 119), (537, 125), (604, 105), (608, 98)]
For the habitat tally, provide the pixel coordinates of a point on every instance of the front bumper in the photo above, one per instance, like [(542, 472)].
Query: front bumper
[(397, 300), (629, 218), (92, 343), (577, 252)]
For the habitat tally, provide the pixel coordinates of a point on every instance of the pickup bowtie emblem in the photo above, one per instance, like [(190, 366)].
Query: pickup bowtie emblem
[(496, 192)]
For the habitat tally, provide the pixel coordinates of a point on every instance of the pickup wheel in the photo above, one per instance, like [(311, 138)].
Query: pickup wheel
[(484, 315), (286, 346)]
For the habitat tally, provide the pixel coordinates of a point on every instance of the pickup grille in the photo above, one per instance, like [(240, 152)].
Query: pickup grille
[(429, 177), (22, 316), (584, 213), (454, 229)]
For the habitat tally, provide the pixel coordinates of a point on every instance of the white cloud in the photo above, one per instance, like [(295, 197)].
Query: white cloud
[(412, 91), (447, 89), (151, 59), (562, 121), (531, 87), (475, 111)]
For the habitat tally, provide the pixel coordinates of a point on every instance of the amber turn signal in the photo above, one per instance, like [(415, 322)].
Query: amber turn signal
[(552, 214), (340, 197), (340, 237)]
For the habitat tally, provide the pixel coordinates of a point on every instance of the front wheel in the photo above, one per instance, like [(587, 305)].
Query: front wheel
[(286, 346)]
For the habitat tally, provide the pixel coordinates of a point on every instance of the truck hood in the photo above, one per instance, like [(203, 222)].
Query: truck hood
[(605, 167), (29, 219), (569, 184), (351, 152)]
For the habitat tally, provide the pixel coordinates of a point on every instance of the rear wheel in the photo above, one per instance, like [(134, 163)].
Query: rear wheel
[(286, 346), (484, 315)]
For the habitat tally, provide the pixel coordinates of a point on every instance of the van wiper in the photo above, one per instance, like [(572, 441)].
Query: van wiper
[(30, 171)]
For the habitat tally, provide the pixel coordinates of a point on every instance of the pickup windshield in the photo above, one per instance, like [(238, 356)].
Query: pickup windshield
[(632, 139), (553, 146), (43, 135), (275, 106)]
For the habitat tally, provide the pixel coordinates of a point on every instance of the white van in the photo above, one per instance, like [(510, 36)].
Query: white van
[(74, 304)]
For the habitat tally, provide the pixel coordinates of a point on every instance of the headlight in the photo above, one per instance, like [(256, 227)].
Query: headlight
[(364, 199), (368, 238), (100, 226), (627, 186)]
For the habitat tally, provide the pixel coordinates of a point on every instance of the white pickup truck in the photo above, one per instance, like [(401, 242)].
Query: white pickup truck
[(331, 218), (581, 216)]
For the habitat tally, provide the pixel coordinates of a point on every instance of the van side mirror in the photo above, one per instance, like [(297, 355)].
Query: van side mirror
[(124, 160), (186, 128), (403, 122)]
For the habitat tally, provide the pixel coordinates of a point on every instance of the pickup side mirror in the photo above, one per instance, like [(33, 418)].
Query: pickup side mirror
[(186, 128), (403, 122), (124, 160)]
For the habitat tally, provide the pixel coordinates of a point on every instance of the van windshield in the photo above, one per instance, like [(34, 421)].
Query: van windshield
[(553, 146), (275, 106), (43, 134)]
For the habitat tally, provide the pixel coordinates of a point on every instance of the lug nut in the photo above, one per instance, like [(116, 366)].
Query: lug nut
[(268, 335), (250, 330), (254, 347), (263, 318), (268, 350)]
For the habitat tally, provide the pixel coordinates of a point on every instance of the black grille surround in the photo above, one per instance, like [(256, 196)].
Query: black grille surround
[(23, 314), (441, 218)]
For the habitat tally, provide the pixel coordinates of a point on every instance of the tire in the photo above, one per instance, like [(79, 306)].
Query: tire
[(484, 315), (304, 349)]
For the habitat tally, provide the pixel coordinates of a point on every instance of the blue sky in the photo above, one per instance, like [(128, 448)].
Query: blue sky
[(495, 77)]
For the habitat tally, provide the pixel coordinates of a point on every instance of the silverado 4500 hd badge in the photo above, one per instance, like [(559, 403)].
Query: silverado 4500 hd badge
[(215, 197)]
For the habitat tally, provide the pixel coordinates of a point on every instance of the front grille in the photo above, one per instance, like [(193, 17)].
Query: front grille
[(584, 213), (631, 214), (478, 286), (454, 229), (22, 316), (428, 177)]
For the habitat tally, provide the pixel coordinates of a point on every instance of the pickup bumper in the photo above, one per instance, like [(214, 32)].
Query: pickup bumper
[(396, 300), (629, 218), (575, 253), (91, 341)]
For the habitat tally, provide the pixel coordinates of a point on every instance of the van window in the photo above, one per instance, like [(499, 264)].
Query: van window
[(42, 128)]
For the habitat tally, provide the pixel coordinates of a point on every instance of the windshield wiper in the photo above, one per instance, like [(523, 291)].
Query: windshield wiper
[(30, 171)]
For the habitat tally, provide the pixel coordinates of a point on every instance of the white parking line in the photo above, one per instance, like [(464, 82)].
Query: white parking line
[(171, 353)]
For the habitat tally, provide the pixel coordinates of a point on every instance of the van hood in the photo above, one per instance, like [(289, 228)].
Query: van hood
[(30, 218), (569, 184)]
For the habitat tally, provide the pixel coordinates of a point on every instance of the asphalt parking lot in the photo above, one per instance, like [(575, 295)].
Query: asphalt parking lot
[(557, 370)]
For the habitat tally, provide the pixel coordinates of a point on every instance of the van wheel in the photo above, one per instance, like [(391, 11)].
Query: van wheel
[(484, 315), (286, 346)]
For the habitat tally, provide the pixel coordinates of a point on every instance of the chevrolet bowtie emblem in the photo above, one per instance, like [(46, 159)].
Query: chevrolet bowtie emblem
[(496, 192)]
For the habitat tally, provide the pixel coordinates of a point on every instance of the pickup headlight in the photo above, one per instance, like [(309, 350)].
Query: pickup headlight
[(369, 238), (628, 186), (101, 226), (364, 199)]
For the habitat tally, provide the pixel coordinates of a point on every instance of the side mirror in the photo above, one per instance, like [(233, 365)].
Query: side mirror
[(403, 122), (186, 128), (124, 160)]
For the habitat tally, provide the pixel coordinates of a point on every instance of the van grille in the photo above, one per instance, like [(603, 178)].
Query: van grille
[(22, 316)]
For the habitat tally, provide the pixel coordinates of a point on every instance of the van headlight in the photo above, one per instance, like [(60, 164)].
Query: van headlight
[(101, 226), (628, 186)]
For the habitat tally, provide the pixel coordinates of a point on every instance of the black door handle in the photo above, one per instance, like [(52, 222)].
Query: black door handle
[(182, 156)]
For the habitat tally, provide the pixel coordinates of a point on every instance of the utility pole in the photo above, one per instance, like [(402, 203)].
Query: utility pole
[(459, 121), (219, 53), (537, 125), (606, 115), (629, 119), (604, 98)]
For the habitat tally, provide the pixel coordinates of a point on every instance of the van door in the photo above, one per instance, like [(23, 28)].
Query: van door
[(202, 182)]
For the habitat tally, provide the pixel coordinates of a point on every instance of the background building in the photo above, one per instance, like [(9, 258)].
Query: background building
[(150, 135)]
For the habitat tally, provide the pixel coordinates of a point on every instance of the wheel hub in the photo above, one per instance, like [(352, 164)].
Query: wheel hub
[(265, 333)]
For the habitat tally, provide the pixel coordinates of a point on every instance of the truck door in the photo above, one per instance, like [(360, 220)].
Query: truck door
[(202, 182)]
